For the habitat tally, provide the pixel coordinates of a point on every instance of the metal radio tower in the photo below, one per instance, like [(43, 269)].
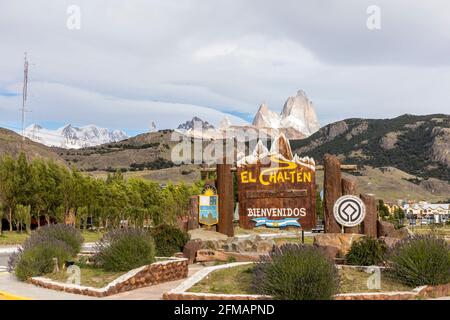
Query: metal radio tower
[(24, 94)]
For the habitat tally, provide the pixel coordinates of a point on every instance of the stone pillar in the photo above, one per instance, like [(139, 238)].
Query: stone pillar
[(332, 191), (371, 219), (349, 188), (226, 199)]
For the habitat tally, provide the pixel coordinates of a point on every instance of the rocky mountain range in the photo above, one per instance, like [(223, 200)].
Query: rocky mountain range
[(71, 137), (402, 158), (418, 145), (297, 120)]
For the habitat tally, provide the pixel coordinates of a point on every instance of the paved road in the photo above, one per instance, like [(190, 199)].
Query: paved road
[(11, 286), (4, 259)]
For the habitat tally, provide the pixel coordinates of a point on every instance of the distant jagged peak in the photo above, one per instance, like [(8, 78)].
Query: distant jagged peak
[(299, 113), (265, 118), (67, 127), (263, 107), (33, 127), (189, 125), (225, 123)]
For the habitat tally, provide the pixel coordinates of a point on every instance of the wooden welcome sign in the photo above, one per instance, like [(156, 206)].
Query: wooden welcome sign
[(276, 189)]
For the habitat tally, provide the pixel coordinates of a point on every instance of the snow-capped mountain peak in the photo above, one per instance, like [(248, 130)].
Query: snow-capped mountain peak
[(265, 118), (225, 123), (71, 137), (195, 123), (298, 114)]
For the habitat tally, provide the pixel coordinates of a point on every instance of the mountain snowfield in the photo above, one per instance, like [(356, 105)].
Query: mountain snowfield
[(71, 137)]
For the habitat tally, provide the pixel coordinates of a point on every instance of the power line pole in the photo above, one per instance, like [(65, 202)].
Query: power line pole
[(24, 95)]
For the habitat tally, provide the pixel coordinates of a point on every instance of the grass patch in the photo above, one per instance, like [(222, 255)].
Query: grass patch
[(92, 236), (352, 280), (438, 230), (90, 276), (237, 280), (12, 238)]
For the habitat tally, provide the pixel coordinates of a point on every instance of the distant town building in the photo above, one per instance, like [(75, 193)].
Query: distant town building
[(440, 212), (392, 207)]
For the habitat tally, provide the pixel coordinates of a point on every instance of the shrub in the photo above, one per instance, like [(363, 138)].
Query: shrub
[(169, 240), (296, 272), (67, 234), (421, 260), (125, 249), (38, 260), (36, 256), (366, 252)]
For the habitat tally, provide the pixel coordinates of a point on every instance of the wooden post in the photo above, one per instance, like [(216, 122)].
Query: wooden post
[(193, 213), (370, 221), (349, 188), (226, 199), (332, 191)]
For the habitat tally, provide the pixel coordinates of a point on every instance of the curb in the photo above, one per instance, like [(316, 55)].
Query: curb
[(9, 296)]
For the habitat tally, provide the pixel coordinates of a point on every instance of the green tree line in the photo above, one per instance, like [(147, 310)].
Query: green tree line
[(42, 189)]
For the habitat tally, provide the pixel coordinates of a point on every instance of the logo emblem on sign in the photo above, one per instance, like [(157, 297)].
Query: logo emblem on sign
[(208, 207), (349, 211), (288, 222)]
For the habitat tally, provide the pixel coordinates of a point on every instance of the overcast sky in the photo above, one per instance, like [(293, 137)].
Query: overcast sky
[(134, 62)]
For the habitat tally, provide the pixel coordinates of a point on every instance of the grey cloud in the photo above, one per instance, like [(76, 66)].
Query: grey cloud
[(226, 55)]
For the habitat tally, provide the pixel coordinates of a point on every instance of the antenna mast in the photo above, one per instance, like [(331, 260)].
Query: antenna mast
[(24, 94)]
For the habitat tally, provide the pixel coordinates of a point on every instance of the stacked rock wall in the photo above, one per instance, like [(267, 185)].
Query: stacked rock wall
[(155, 273)]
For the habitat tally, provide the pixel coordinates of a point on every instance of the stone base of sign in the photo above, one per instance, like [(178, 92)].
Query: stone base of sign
[(387, 229), (389, 241), (253, 243), (244, 244), (191, 248), (331, 252), (158, 272), (340, 241), (208, 255)]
